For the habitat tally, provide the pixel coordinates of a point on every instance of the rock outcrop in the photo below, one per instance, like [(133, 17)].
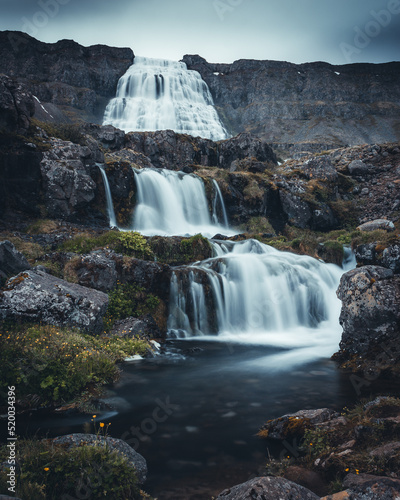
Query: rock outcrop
[(370, 317), (261, 488), (39, 297), (305, 107), (16, 105), (167, 149), (64, 73)]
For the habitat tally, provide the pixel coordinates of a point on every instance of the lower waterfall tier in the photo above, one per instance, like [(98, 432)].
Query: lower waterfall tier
[(253, 293)]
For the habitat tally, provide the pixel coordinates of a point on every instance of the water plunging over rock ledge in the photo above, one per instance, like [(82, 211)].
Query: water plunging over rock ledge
[(156, 94)]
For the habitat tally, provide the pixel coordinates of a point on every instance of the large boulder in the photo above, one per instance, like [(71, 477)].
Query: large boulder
[(370, 314), (11, 261), (262, 488), (39, 297), (132, 456)]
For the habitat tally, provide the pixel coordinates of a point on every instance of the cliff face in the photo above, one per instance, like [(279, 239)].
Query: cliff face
[(67, 78), (306, 107)]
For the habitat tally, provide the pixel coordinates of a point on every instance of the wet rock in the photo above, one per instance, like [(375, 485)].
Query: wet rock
[(133, 457), (261, 488), (374, 225), (11, 261), (39, 297)]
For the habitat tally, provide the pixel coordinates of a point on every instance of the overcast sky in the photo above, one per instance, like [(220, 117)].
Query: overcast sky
[(336, 31)]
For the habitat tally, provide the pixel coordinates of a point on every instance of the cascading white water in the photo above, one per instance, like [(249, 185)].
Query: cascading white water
[(156, 94), (174, 203), (110, 205), (259, 295)]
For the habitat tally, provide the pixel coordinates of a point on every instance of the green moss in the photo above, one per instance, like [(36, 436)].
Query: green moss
[(177, 250), (65, 131), (258, 225), (134, 244), (49, 471), (129, 300)]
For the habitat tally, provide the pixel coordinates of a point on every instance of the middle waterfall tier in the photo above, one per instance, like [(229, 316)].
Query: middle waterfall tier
[(156, 94), (172, 203)]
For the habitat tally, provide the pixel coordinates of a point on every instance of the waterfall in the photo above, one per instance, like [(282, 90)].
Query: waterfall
[(251, 292), (174, 203), (219, 202), (110, 206), (155, 94)]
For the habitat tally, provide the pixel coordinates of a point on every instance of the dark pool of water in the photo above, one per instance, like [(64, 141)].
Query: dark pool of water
[(194, 414)]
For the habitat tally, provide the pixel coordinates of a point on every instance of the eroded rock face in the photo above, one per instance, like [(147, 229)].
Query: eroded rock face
[(167, 149), (65, 73), (135, 459), (39, 297), (66, 176), (261, 488), (16, 105), (370, 314), (306, 106)]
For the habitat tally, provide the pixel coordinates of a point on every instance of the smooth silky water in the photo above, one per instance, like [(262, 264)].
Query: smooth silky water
[(156, 94), (250, 331)]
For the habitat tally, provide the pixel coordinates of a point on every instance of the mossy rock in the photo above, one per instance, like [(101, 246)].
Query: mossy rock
[(176, 250)]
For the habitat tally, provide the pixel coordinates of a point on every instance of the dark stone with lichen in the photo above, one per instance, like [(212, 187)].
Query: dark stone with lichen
[(261, 488)]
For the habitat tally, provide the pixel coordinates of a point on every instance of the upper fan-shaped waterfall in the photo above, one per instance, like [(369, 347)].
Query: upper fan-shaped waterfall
[(156, 94)]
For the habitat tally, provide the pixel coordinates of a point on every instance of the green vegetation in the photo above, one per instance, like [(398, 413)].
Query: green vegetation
[(128, 243), (129, 300), (48, 471), (65, 131), (53, 365), (42, 226), (177, 250)]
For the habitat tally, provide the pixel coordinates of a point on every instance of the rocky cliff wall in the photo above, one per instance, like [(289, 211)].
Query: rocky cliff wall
[(78, 80), (306, 107)]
